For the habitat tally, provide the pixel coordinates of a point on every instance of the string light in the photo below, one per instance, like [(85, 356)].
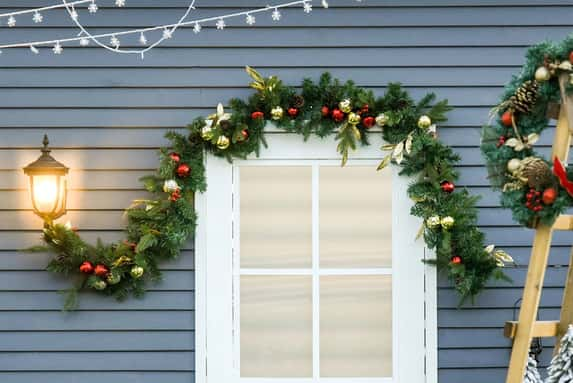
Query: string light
[(11, 21), (34, 50), (168, 29), (41, 9), (324, 4)]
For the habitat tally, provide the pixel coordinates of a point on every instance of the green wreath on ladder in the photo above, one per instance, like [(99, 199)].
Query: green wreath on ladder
[(158, 226), (536, 189)]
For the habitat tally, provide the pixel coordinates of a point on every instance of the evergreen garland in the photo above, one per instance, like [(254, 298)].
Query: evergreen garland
[(157, 227), (529, 188)]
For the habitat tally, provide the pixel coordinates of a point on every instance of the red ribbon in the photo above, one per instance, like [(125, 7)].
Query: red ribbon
[(559, 171)]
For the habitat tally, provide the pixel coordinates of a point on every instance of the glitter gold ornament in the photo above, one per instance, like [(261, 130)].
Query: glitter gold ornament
[(277, 113), (433, 222), (207, 132), (447, 222), (542, 74), (345, 105), (99, 285), (381, 119), (113, 278), (137, 272), (353, 119), (169, 186), (424, 122), (223, 142)]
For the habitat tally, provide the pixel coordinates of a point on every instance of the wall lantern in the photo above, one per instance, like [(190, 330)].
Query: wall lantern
[(48, 188)]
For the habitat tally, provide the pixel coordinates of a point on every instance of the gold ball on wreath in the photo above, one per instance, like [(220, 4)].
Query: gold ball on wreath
[(433, 221), (113, 278), (277, 113), (345, 105), (223, 142), (513, 165), (447, 222), (542, 74), (381, 119), (99, 285), (137, 272), (353, 119), (207, 133), (424, 122)]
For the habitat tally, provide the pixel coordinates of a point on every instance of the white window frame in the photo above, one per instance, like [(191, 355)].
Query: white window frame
[(414, 283)]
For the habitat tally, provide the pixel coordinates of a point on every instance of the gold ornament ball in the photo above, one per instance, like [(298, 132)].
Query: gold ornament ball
[(137, 272), (99, 285), (170, 186), (381, 119), (447, 222), (223, 142), (424, 122), (207, 132), (277, 113), (433, 222), (353, 119), (513, 165), (542, 74), (345, 105), (113, 278)]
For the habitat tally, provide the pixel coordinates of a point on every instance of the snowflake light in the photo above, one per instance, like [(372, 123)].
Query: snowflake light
[(197, 28), (114, 42), (11, 21), (38, 18), (34, 50), (92, 8), (307, 7), (221, 24), (250, 19), (276, 15), (120, 3), (142, 39), (84, 41), (167, 34), (57, 49)]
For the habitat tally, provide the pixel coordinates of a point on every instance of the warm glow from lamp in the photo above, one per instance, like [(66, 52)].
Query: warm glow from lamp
[(47, 185)]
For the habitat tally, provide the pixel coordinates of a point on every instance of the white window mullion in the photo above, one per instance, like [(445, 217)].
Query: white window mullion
[(236, 224), (315, 275)]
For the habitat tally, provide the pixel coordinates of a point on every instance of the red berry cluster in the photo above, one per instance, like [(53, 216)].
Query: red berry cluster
[(533, 200), (501, 141), (338, 115), (175, 195)]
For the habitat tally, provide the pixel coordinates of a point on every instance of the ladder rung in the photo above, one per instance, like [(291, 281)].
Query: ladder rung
[(563, 222), (541, 329)]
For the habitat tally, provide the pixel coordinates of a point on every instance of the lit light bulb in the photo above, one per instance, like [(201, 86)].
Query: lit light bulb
[(11, 21), (57, 49), (34, 50), (250, 20), (142, 39), (276, 15), (45, 192), (197, 28), (38, 18), (92, 8), (307, 7), (221, 24)]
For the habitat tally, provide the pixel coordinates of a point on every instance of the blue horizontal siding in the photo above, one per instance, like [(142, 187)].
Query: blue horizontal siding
[(106, 115)]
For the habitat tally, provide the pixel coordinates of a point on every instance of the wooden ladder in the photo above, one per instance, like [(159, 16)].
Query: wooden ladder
[(527, 327)]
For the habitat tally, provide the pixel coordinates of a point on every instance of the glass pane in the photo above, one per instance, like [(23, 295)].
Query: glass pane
[(356, 326), (355, 217), (276, 326), (276, 216)]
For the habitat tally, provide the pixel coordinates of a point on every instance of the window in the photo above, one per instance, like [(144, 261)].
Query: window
[(308, 272)]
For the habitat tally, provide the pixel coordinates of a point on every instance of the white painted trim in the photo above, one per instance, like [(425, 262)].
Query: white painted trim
[(213, 259)]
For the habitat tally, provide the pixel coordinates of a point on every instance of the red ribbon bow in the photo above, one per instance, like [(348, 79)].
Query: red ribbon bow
[(559, 171)]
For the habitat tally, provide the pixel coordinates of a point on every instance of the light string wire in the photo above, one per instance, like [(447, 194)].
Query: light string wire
[(154, 28), (85, 34), (41, 9)]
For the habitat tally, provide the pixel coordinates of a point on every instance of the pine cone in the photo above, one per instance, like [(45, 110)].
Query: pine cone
[(537, 172), (525, 97), (297, 101)]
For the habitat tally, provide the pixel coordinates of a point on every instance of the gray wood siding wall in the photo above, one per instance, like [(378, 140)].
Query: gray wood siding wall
[(106, 115)]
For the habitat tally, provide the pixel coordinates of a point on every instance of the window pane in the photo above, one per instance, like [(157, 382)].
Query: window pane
[(276, 216), (355, 217), (276, 326), (356, 326)]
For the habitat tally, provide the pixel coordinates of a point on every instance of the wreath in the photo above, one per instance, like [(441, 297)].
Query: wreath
[(536, 189), (158, 226)]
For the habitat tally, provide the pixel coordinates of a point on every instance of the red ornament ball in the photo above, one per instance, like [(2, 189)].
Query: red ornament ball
[(175, 195), (571, 57), (368, 122), (87, 267), (365, 108), (447, 186), (257, 115), (101, 270), (293, 112), (325, 111), (337, 115), (456, 260), (183, 170), (244, 134), (506, 118), (175, 157), (549, 196)]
